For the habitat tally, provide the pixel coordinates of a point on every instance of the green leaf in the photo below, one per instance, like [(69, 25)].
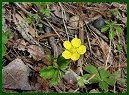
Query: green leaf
[(104, 73), (86, 76), (55, 78), (91, 69), (81, 81), (110, 81), (46, 12), (104, 28), (62, 62), (50, 58), (111, 34), (107, 22), (40, 25), (118, 28), (3, 50), (47, 72), (95, 79), (4, 38), (103, 85)]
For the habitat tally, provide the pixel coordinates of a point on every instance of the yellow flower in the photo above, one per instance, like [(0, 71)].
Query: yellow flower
[(67, 45), (66, 54), (73, 49), (76, 42)]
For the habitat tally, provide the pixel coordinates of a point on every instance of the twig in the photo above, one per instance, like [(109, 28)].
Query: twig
[(98, 33), (17, 4), (54, 30), (64, 19), (109, 52), (52, 42), (45, 36), (88, 39), (76, 90)]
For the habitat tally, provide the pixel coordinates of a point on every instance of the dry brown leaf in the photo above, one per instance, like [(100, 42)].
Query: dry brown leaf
[(105, 48), (20, 44), (24, 29), (36, 52), (15, 75), (56, 10), (74, 21)]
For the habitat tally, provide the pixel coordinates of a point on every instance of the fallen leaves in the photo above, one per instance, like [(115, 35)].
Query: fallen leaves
[(74, 20), (27, 32), (36, 52), (15, 75), (32, 42)]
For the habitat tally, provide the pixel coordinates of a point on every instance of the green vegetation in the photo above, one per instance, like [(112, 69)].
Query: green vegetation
[(56, 71), (101, 76), (5, 37), (112, 27)]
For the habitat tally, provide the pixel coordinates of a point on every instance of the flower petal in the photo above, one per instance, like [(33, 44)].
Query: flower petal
[(75, 56), (76, 42), (81, 49), (66, 54), (67, 44)]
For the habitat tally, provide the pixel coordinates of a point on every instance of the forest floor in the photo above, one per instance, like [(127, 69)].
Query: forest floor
[(33, 37)]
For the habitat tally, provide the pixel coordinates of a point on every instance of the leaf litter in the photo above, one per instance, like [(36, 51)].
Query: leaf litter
[(39, 33)]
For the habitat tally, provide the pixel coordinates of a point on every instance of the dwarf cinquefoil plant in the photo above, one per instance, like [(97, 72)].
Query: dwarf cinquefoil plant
[(56, 71), (73, 49), (59, 65)]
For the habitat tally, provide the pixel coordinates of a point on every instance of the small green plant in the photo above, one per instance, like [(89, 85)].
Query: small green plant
[(37, 18), (73, 50), (118, 48), (45, 11), (115, 13), (56, 71), (5, 37), (101, 76), (113, 28)]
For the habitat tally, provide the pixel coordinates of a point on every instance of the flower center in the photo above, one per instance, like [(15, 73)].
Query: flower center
[(73, 50)]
